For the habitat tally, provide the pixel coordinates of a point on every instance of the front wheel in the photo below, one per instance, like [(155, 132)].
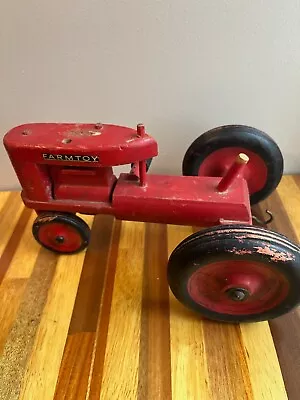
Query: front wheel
[(236, 273), (61, 232)]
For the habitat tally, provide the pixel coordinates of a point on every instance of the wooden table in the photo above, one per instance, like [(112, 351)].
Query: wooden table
[(102, 324)]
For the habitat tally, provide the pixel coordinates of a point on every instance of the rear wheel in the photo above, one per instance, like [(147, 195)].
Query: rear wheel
[(236, 273), (212, 154), (61, 232)]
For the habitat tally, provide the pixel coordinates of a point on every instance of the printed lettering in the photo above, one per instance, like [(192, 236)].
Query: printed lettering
[(67, 157)]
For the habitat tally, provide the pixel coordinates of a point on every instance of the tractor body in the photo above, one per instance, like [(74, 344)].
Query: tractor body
[(69, 168)]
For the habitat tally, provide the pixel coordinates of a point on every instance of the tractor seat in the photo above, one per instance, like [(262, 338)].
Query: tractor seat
[(107, 145)]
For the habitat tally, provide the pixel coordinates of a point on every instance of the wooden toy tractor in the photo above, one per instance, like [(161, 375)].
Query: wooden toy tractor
[(231, 271)]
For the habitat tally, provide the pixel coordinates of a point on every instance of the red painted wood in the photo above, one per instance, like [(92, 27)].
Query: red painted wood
[(67, 167), (184, 200), (112, 144)]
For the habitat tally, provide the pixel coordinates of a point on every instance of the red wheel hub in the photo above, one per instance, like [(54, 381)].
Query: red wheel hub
[(219, 161), (238, 287), (60, 237)]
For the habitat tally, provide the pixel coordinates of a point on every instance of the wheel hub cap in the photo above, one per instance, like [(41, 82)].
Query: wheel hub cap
[(238, 287), (59, 239), (237, 294)]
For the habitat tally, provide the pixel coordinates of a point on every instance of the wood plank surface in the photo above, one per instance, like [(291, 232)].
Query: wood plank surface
[(103, 324)]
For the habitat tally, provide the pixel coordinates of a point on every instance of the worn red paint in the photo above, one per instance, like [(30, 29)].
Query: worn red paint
[(49, 232), (220, 161), (275, 255), (47, 219), (208, 286), (233, 172), (68, 168), (240, 252), (263, 235)]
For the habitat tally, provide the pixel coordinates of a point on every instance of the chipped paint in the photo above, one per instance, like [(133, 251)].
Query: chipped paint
[(254, 233), (47, 219), (82, 132), (239, 252), (275, 255), (95, 133)]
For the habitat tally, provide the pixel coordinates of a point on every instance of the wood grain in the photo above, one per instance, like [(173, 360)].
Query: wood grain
[(261, 358), (285, 330), (76, 365), (43, 365), (18, 260), (19, 345), (102, 324), (155, 356), (188, 353), (228, 373), (97, 365), (120, 376)]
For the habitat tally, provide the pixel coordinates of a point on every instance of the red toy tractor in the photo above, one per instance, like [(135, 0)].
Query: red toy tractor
[(231, 271)]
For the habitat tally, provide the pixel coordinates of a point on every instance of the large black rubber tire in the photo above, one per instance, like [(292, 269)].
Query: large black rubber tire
[(72, 220), (235, 242), (237, 136)]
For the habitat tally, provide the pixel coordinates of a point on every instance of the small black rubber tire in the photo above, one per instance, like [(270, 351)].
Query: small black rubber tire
[(237, 136), (229, 242), (73, 220)]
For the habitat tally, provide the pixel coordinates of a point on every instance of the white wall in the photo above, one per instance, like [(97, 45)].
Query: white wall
[(180, 66)]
